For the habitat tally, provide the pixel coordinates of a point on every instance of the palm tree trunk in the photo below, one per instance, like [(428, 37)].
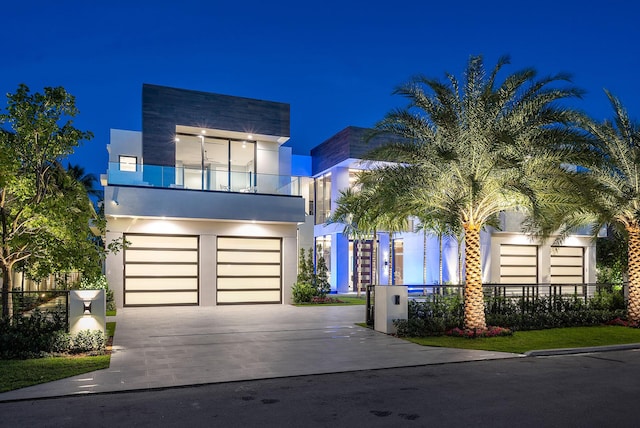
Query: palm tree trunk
[(633, 306), (473, 297)]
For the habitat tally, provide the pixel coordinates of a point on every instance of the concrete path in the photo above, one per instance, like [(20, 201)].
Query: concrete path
[(174, 346)]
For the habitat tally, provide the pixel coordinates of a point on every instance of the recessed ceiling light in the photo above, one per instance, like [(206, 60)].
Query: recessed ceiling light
[(250, 137), (203, 132)]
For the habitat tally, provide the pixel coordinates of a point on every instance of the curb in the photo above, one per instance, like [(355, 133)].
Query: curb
[(572, 351)]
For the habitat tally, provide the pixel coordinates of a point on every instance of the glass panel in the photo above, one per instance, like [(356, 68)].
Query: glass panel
[(319, 200), (242, 166), (128, 163), (323, 249)]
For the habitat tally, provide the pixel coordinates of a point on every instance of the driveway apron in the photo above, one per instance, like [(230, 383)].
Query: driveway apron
[(173, 346)]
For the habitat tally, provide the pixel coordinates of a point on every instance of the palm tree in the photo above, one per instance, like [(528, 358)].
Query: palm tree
[(88, 180), (476, 148), (615, 191), (351, 211)]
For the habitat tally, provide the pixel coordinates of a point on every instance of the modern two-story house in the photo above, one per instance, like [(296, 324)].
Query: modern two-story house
[(205, 200)]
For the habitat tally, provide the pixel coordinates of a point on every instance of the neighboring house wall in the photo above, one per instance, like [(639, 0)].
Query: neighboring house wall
[(507, 255)]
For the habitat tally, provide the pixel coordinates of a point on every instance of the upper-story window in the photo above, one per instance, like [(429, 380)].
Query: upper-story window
[(207, 161), (322, 187), (128, 163)]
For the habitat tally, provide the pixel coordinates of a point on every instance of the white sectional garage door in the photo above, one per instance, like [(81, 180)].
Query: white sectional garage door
[(161, 270), (567, 265), (249, 270), (518, 264)]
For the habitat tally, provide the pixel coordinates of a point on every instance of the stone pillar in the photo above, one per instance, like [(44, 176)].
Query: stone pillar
[(87, 310), (391, 303)]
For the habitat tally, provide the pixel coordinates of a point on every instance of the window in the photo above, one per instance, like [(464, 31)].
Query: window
[(205, 161), (323, 198), (128, 163)]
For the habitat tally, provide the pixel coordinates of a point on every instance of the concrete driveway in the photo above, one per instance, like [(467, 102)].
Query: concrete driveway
[(173, 346)]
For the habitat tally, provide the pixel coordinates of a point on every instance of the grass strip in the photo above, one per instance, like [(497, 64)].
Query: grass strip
[(15, 374), (347, 300), (523, 341)]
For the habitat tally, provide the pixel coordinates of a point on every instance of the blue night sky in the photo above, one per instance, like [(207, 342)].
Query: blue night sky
[(335, 62)]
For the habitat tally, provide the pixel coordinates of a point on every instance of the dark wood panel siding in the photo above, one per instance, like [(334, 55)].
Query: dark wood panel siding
[(163, 108), (350, 143)]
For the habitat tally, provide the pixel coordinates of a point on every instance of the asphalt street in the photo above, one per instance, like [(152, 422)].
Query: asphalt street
[(584, 390)]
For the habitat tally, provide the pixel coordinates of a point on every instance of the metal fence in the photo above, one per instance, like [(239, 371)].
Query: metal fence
[(526, 293), (53, 303)]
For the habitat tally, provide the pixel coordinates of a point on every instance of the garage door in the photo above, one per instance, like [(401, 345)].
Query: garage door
[(249, 270), (518, 264), (161, 270), (567, 265)]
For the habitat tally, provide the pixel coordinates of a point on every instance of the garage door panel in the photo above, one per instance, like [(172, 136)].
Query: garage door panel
[(261, 296), (518, 250), (166, 256), (161, 270), (249, 256), (248, 270), (248, 283), (517, 280), (162, 241), (161, 284), (162, 298), (567, 261), (519, 271), (249, 243)]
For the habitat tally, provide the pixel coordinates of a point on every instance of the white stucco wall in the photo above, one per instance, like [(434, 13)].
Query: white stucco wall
[(207, 231)]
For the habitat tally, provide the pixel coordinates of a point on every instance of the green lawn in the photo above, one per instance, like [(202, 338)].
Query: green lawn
[(16, 374), (347, 300), (523, 341)]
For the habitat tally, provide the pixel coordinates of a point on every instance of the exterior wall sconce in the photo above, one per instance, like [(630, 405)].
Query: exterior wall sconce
[(87, 307)]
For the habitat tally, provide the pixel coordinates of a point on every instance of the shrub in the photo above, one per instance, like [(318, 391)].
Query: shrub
[(434, 318), (310, 284), (91, 341), (303, 292), (28, 336)]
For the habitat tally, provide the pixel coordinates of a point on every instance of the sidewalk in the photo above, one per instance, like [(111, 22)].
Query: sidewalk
[(177, 346)]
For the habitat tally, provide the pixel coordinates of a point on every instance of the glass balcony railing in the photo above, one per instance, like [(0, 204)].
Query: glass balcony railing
[(207, 180)]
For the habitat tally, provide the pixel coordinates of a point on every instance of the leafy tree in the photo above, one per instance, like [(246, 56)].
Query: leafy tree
[(614, 190), (476, 147), (44, 214)]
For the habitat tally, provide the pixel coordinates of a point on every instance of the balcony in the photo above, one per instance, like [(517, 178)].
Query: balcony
[(209, 180)]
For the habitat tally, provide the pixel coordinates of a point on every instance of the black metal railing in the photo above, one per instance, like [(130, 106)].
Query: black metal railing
[(52, 303), (525, 294), (527, 291)]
